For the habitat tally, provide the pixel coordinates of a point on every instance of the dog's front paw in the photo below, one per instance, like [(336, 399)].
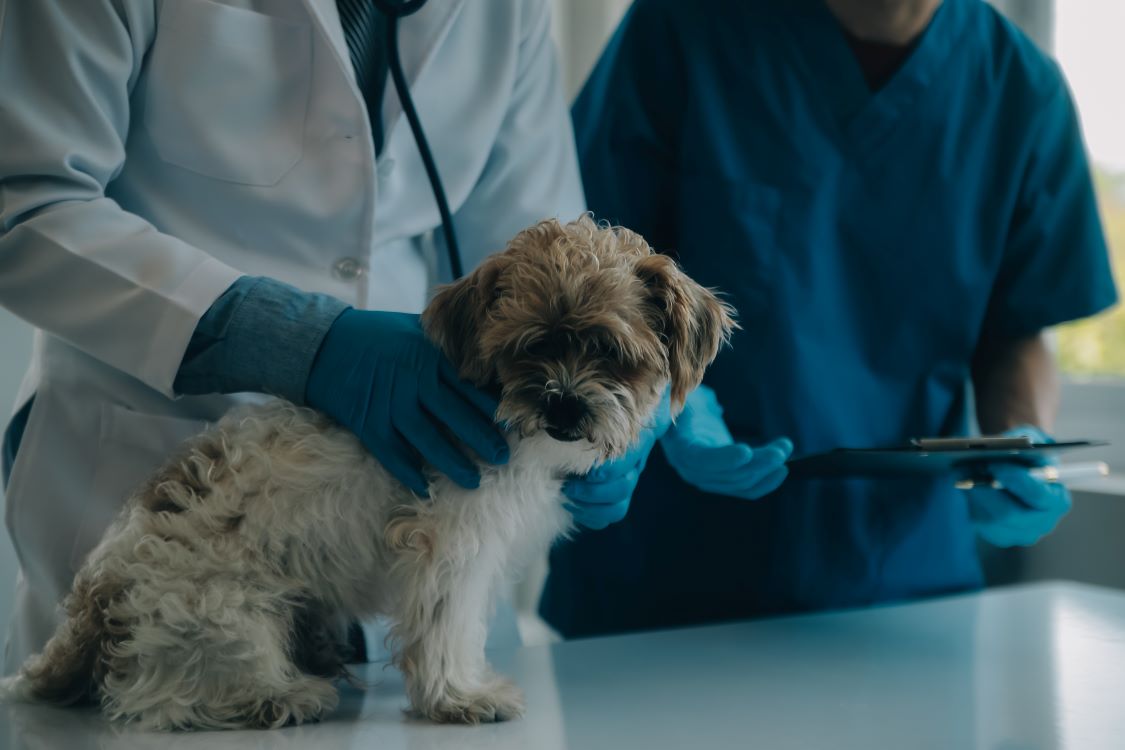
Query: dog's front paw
[(499, 700)]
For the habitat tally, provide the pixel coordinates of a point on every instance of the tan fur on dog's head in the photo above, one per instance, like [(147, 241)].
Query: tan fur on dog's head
[(582, 327)]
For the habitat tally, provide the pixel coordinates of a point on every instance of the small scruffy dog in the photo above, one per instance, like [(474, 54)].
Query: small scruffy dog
[(217, 598)]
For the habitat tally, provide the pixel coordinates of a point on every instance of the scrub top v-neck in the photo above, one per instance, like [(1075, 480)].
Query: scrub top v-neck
[(865, 117), (872, 242)]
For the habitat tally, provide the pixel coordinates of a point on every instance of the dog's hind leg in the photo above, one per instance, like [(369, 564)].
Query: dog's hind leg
[(217, 659), (275, 692), (67, 670)]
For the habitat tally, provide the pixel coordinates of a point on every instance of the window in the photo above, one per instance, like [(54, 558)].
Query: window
[(1085, 39), (1092, 352), (1088, 47)]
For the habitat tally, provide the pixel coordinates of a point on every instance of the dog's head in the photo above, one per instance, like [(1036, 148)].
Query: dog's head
[(582, 328)]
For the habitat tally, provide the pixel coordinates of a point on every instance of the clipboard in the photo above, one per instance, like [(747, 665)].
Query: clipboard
[(931, 457)]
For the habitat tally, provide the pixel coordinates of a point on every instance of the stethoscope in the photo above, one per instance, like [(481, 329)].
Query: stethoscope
[(394, 10)]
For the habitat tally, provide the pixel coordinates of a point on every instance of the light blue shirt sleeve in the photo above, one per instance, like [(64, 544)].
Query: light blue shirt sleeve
[(260, 336)]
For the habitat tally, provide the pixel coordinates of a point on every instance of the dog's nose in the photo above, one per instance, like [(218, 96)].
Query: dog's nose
[(563, 413)]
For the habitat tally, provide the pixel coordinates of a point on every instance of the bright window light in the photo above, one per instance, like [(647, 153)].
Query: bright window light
[(1088, 47)]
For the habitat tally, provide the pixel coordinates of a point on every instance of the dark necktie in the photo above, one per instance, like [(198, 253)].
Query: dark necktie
[(365, 32)]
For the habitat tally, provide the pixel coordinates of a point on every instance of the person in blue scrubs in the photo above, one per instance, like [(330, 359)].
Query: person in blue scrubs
[(895, 197)]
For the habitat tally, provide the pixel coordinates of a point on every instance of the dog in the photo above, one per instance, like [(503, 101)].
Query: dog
[(218, 596)]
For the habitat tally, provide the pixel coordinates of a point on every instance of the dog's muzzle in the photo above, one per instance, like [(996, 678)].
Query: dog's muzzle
[(563, 413)]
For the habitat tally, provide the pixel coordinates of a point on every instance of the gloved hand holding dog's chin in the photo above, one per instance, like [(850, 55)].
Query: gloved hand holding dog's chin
[(1025, 508), (602, 496), (379, 376), (701, 449)]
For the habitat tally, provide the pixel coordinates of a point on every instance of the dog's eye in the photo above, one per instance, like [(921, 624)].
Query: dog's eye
[(605, 350), (543, 348)]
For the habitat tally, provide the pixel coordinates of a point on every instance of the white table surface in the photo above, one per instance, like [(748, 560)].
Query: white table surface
[(1039, 666)]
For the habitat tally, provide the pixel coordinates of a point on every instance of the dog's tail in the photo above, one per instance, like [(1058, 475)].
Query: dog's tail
[(65, 672)]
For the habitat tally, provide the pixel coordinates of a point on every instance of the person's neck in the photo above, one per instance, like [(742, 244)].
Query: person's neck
[(897, 22)]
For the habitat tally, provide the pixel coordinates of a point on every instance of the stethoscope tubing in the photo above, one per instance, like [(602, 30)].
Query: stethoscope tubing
[(394, 11)]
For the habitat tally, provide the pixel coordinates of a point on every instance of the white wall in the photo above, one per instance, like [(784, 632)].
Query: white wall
[(581, 29), (15, 348), (1035, 17)]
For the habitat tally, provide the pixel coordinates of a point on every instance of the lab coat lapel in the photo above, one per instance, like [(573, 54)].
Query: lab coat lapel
[(418, 35), (328, 19)]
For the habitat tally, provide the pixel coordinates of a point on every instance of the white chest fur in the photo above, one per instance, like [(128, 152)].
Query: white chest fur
[(513, 515)]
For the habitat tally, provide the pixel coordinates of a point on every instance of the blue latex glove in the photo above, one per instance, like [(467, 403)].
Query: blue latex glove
[(602, 496), (379, 376), (703, 452), (1026, 509)]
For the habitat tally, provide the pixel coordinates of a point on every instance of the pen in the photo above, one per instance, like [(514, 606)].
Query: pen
[(1050, 473)]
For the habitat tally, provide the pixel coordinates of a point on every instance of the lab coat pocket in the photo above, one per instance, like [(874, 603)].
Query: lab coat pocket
[(131, 446), (730, 237), (227, 91)]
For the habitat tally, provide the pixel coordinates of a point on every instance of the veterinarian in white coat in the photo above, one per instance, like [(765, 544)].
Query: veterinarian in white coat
[(154, 152)]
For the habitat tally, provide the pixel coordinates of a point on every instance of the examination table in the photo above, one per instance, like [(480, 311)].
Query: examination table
[(1023, 668)]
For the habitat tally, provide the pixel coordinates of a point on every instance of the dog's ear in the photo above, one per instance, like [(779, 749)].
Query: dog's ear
[(690, 319), (454, 318)]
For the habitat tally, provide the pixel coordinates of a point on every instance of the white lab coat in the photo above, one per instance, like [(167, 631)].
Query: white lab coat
[(152, 151)]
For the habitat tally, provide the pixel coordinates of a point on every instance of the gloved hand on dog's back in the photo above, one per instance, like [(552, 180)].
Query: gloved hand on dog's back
[(701, 449), (378, 375)]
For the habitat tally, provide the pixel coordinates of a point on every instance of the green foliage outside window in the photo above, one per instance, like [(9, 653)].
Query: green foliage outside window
[(1096, 346)]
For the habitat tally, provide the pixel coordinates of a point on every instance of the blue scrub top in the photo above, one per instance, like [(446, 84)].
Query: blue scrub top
[(872, 244)]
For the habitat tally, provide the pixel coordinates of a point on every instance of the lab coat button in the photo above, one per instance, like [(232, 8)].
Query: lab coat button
[(347, 269)]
